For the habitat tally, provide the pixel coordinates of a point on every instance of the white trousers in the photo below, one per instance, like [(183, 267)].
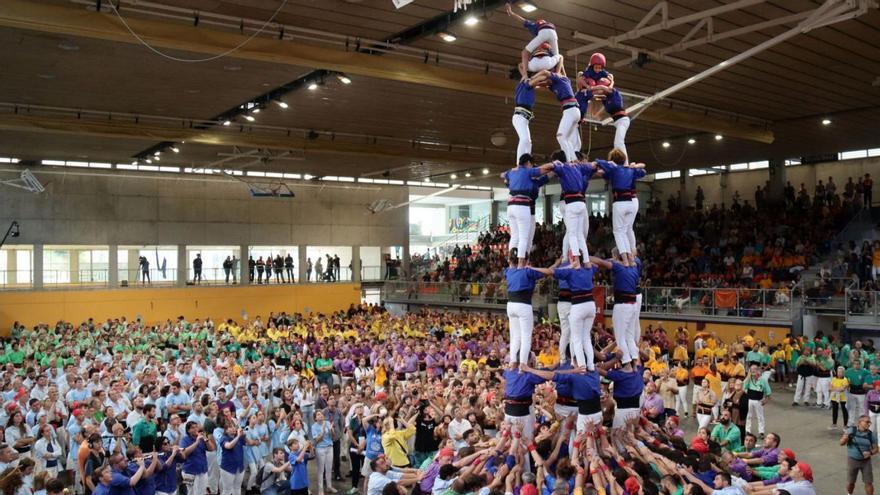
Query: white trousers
[(213, 472), (527, 422), (537, 64), (545, 36), (703, 420), (635, 331), (230, 483), (622, 317), (681, 403), (521, 126), (325, 467), (622, 415), (199, 485), (620, 128), (756, 410), (583, 420), (856, 405), (803, 389), (531, 233), (875, 419), (623, 216), (565, 243), (575, 218), (522, 321), (568, 125), (696, 390), (519, 217), (564, 310), (581, 321), (564, 411), (823, 391)]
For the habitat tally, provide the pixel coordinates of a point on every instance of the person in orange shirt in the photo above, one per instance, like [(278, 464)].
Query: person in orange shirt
[(749, 340), (724, 369), (699, 371), (681, 374)]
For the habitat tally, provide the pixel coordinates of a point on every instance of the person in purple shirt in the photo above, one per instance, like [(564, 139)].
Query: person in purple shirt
[(766, 456), (652, 407), (625, 200), (543, 32), (345, 366), (435, 362)]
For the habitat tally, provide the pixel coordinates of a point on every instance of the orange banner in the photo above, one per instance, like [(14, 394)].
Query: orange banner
[(725, 299)]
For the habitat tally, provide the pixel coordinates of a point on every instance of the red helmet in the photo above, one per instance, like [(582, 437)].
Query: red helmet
[(597, 58), (544, 46)]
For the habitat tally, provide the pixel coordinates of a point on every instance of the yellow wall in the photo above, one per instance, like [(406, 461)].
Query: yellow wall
[(725, 331), (156, 305)]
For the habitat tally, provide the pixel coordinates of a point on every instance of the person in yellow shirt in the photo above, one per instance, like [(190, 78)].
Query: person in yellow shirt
[(394, 441), (468, 364), (657, 367), (714, 379), (749, 340), (681, 375), (680, 353), (548, 358)]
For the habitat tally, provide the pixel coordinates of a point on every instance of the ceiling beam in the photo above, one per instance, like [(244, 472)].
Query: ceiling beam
[(22, 14), (233, 137)]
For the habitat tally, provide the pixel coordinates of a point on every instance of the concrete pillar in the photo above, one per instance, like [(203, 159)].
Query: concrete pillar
[(405, 258), (73, 266), (133, 267), (303, 263), (182, 266), (243, 255), (11, 267), (113, 265), (37, 275), (548, 209), (356, 264), (493, 212), (775, 193), (685, 184)]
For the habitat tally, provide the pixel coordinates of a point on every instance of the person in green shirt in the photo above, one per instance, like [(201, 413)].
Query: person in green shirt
[(15, 355), (726, 434), (758, 392), (855, 396), (843, 355), (324, 369), (143, 434)]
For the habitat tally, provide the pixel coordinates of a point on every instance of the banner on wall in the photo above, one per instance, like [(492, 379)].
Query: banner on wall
[(460, 225), (725, 299), (599, 299)]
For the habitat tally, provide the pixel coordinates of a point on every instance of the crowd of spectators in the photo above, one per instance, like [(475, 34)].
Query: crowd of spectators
[(413, 402)]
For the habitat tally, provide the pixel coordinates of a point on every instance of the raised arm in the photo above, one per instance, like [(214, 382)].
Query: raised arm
[(605, 264)]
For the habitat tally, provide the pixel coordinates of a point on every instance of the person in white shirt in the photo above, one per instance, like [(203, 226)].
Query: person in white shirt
[(47, 451), (457, 427)]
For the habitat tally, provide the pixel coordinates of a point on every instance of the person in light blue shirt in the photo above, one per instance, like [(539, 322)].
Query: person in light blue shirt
[(298, 459), (322, 433), (178, 402)]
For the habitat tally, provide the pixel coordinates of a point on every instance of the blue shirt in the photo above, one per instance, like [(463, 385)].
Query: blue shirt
[(101, 489), (521, 279), (120, 484), (621, 178), (147, 484), (561, 87), (536, 187), (326, 441), (197, 460), (524, 95), (232, 460), (534, 26), (627, 384), (579, 280), (519, 180), (563, 283), (626, 278), (571, 177), (583, 386), (583, 99), (589, 73), (166, 477), (299, 476), (520, 384), (563, 389)]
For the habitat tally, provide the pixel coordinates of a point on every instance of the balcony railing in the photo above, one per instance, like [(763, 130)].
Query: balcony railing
[(768, 304)]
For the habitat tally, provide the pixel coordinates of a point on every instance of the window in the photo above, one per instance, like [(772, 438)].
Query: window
[(597, 203), (427, 220), (739, 166), (759, 165), (791, 162), (849, 155), (874, 152), (56, 266)]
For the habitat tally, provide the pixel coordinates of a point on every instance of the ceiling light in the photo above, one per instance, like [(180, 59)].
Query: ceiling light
[(467, 174), (227, 123), (527, 7), (692, 141), (232, 68), (718, 137), (149, 161), (175, 149), (449, 38), (313, 86), (157, 153), (826, 121), (471, 21), (453, 176), (427, 179), (485, 171), (256, 110), (281, 104), (343, 78), (135, 162), (68, 46), (249, 118), (157, 158), (666, 144)]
